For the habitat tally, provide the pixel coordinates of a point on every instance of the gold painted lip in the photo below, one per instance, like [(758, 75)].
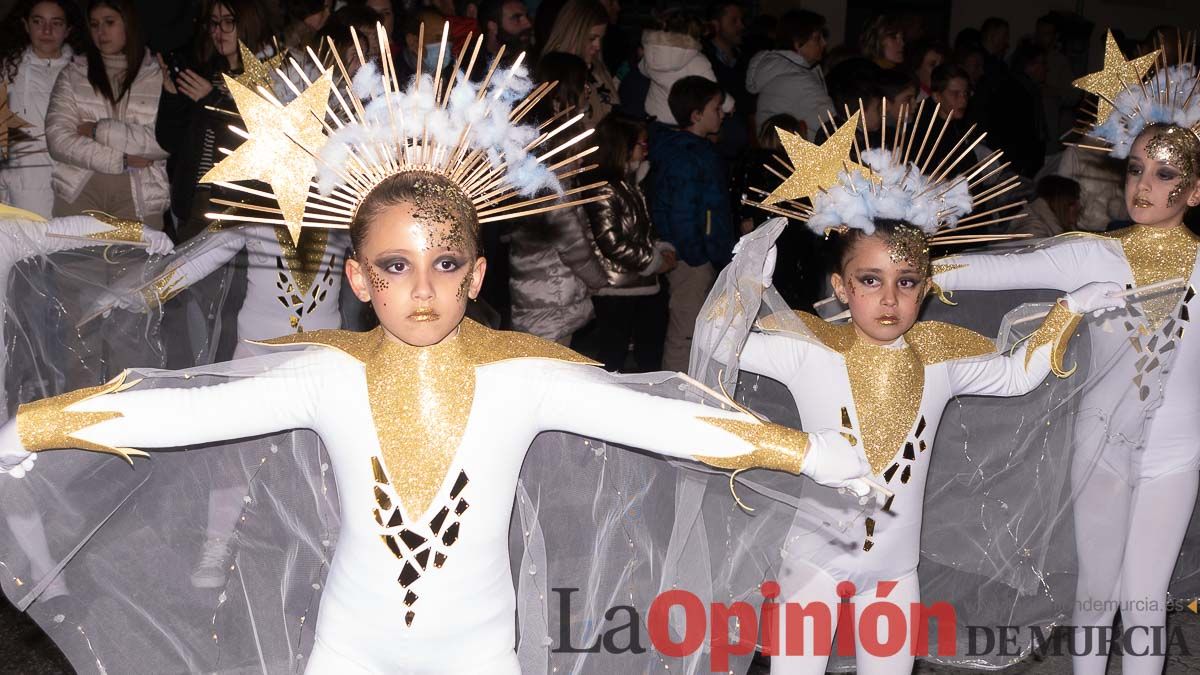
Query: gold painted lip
[(424, 314), (1142, 203), (888, 320)]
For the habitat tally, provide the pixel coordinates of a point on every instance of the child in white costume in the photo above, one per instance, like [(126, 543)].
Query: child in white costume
[(1134, 507), (885, 378), (419, 416)]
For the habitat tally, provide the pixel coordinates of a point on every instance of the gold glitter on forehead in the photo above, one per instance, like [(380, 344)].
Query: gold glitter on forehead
[(909, 245), (1179, 148), (445, 203)]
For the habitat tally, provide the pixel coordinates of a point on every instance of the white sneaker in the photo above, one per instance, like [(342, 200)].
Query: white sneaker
[(214, 561)]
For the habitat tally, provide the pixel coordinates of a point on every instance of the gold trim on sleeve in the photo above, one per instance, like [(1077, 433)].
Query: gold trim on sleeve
[(123, 229), (1056, 330), (48, 424), (775, 447)]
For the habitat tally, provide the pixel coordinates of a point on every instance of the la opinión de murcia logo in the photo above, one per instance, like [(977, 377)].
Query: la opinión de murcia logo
[(882, 627)]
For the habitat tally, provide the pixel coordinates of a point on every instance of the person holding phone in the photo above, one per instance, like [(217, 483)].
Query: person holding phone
[(189, 125)]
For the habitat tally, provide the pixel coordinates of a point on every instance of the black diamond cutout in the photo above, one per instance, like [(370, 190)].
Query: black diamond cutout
[(887, 475), (921, 426), (867, 545), (439, 520), (377, 469), (408, 617), (908, 452), (887, 506), (906, 474), (395, 520), (922, 446), (411, 539), (391, 543), (378, 518), (410, 598), (423, 559), (408, 575), (382, 499), (439, 559), (451, 535), (459, 484), (462, 507), (870, 527)]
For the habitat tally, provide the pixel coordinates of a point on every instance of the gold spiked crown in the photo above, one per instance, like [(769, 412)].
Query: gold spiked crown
[(322, 153), (1132, 94), (919, 173)]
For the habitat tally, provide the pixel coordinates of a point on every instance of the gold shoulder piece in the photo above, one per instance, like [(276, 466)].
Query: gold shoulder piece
[(48, 424), (478, 344), (935, 342), (1056, 330), (838, 338), (352, 343), (123, 229), (776, 447), (489, 346), (8, 212)]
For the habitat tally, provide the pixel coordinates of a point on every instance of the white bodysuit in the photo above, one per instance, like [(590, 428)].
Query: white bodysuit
[(426, 446), (891, 399), (289, 289), (1133, 507)]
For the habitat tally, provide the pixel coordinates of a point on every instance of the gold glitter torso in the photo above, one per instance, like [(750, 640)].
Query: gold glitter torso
[(304, 258), (421, 397), (1156, 254), (888, 383)]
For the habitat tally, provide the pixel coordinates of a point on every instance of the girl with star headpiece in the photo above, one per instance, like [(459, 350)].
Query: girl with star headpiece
[(1137, 482), (426, 420), (885, 377)]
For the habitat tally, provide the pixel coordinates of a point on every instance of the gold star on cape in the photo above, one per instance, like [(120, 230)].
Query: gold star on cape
[(816, 167), (1117, 75), (8, 120), (256, 73), (280, 148)]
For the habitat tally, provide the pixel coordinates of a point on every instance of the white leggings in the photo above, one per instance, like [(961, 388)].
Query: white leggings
[(1130, 570), (820, 587)]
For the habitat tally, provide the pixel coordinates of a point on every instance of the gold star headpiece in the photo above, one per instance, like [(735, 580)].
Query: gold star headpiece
[(1117, 75), (914, 173), (1134, 94), (326, 150)]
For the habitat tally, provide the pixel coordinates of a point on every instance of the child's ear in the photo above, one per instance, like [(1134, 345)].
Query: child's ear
[(839, 288)]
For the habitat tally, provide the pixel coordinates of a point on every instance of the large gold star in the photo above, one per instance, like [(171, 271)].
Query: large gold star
[(9, 120), (256, 73), (280, 148), (1116, 75), (816, 167)]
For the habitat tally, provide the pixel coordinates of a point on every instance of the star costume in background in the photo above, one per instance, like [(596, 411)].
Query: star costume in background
[(1137, 489)]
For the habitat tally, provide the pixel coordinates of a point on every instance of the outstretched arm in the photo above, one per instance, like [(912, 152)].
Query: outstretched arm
[(1058, 264), (192, 262), (32, 238), (590, 402), (1042, 353), (120, 415)]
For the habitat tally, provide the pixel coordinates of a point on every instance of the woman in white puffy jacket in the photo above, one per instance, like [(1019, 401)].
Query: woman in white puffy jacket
[(100, 123), (29, 65), (668, 56)]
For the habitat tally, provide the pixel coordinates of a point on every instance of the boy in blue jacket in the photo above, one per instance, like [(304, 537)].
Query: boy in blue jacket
[(689, 204)]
